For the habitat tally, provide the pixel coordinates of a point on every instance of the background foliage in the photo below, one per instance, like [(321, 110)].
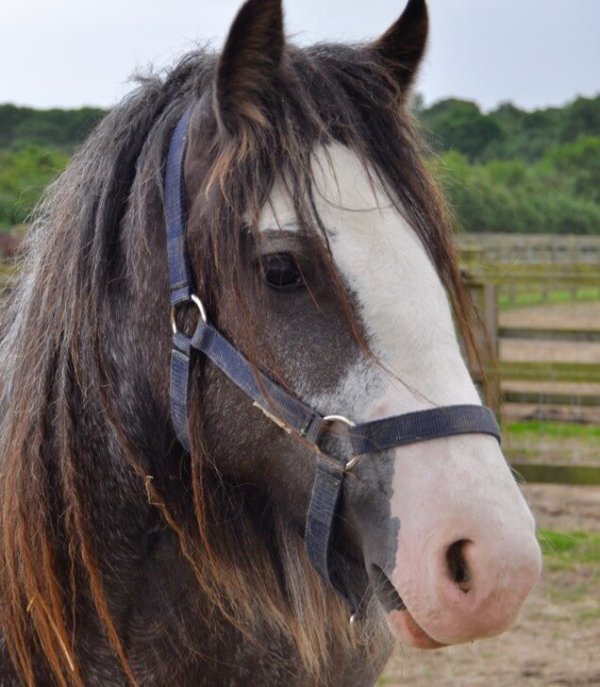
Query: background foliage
[(35, 146), (508, 170), (517, 171)]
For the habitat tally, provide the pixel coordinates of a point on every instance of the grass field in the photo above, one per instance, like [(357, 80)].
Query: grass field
[(534, 429), (552, 443), (522, 299), (566, 549)]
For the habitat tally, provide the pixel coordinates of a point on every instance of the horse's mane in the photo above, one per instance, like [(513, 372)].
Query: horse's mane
[(96, 253)]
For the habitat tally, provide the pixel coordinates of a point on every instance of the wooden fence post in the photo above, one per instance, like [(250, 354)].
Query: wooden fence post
[(484, 297)]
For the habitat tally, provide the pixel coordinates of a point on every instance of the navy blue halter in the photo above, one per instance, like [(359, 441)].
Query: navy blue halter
[(276, 403)]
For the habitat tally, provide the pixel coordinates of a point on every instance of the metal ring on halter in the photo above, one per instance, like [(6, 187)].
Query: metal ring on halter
[(353, 462), (197, 302)]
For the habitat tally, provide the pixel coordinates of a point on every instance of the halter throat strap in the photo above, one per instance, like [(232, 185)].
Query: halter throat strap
[(279, 405)]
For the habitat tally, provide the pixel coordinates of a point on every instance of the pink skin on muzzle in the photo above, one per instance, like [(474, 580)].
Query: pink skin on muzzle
[(467, 555)]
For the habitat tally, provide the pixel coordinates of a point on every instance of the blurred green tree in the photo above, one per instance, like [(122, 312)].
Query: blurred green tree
[(24, 173), (507, 170)]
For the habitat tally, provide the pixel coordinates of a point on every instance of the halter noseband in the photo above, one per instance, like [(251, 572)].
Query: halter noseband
[(275, 402)]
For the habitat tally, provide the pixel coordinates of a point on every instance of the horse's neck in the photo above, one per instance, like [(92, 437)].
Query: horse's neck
[(168, 618), (174, 637), (171, 632)]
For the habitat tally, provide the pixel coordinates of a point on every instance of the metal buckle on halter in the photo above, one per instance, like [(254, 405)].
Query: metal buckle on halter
[(342, 419), (192, 299)]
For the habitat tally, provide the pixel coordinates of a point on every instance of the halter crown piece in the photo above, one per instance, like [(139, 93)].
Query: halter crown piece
[(278, 404)]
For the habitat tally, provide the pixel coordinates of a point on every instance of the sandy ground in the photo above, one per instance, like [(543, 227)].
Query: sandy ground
[(555, 642), (565, 508)]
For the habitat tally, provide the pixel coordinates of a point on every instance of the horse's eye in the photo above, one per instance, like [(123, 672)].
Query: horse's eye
[(281, 272)]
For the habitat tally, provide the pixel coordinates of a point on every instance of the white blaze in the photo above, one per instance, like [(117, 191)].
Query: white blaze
[(401, 300), (446, 490)]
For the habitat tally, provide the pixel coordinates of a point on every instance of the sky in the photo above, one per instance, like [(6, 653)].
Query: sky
[(69, 53)]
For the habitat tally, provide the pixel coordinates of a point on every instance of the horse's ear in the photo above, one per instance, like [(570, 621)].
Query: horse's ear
[(402, 46), (249, 62)]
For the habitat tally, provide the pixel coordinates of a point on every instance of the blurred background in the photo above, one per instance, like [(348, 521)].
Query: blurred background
[(509, 104)]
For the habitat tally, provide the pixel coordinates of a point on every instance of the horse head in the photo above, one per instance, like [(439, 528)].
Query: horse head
[(322, 255), (342, 271)]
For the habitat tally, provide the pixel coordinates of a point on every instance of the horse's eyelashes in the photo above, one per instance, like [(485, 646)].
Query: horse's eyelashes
[(281, 272)]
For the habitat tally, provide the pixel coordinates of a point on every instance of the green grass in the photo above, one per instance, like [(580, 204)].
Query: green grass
[(589, 614), (532, 429), (568, 549), (576, 555), (554, 452), (537, 297)]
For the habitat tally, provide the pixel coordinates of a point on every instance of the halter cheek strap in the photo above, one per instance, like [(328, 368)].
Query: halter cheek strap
[(274, 401)]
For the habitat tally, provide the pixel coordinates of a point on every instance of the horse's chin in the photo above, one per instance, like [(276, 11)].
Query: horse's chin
[(401, 622), (406, 628)]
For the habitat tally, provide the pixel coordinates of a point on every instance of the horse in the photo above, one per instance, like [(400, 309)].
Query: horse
[(136, 554)]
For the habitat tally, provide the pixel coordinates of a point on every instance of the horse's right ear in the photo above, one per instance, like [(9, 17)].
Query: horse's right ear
[(402, 46), (248, 64)]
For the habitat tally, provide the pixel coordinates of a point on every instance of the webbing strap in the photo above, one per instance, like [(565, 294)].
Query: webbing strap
[(279, 405), (180, 276), (178, 392), (422, 425), (292, 414), (320, 520)]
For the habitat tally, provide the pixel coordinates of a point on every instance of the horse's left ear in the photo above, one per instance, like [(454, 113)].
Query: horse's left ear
[(402, 46)]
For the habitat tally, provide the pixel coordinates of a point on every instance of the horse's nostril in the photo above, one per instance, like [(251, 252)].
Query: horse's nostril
[(458, 568)]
